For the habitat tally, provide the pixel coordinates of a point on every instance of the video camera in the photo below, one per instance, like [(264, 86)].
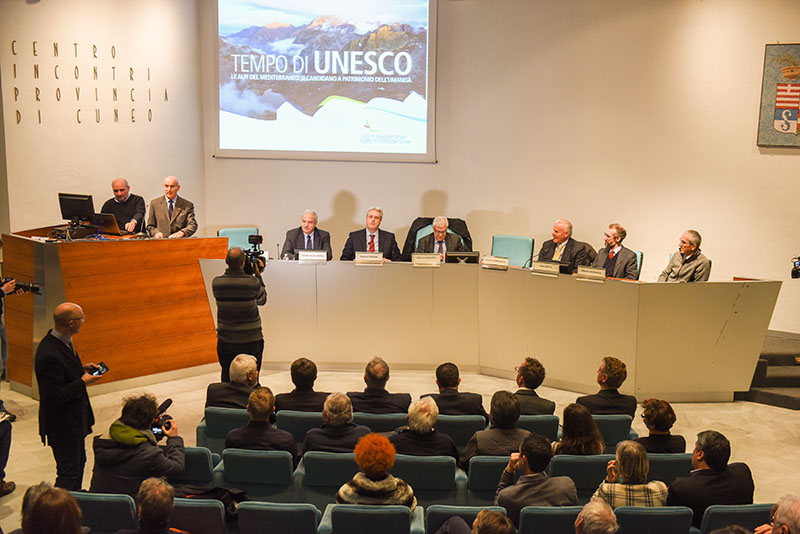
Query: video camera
[(162, 420), (23, 287), (254, 260), (796, 267)]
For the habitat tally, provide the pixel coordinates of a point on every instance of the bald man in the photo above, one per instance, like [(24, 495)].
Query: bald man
[(65, 414), (171, 216), (126, 207), (563, 247)]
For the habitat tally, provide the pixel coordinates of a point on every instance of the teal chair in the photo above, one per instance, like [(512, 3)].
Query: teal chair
[(544, 425), (639, 260), (198, 516), (370, 519), (518, 249), (585, 471), (198, 467), (428, 230), (666, 467), (278, 518), (437, 514), (380, 422), (655, 520), (484, 474), (216, 424), (548, 519), (106, 512), (748, 516), (460, 427), (237, 237), (614, 428), (319, 475), (434, 479), (298, 423), (263, 475)]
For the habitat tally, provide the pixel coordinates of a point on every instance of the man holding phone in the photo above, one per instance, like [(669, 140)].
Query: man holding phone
[(65, 413)]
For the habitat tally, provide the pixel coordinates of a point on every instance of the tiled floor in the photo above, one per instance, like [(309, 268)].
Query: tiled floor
[(765, 437)]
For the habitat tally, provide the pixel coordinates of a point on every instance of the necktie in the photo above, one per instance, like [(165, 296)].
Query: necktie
[(171, 202), (439, 247), (308, 243), (611, 255), (372, 243), (559, 250)]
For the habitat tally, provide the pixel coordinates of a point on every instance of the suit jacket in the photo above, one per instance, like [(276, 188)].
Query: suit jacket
[(375, 400), (182, 217), (609, 402), (65, 413), (625, 267), (536, 489), (301, 401), (705, 487), (261, 436), (574, 253), (334, 438), (433, 443), (453, 402), (357, 242), (228, 395), (296, 240), (531, 403), (452, 243)]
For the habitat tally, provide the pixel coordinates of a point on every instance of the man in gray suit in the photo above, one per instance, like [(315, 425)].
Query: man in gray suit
[(534, 488), (440, 241), (306, 237), (171, 216), (618, 261)]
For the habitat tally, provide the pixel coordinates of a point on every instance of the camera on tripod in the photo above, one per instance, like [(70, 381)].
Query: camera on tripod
[(254, 260)]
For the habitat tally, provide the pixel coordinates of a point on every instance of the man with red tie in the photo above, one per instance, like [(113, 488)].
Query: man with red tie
[(371, 239), (618, 261)]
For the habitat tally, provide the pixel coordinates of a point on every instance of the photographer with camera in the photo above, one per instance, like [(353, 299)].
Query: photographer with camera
[(239, 292), (128, 453)]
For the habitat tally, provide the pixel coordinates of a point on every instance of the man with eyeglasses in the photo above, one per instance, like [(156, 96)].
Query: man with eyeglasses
[(618, 261), (785, 517), (689, 264)]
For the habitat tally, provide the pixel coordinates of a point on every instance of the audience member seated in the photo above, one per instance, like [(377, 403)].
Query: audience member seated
[(534, 487), (258, 433), (373, 484), (303, 398), (375, 398), (338, 433), (596, 517), (234, 394), (785, 517), (579, 433), (128, 453), (154, 504), (732, 529), (420, 438), (449, 400), (54, 511), (659, 417), (530, 375), (610, 376), (503, 436), (486, 522), (634, 489), (713, 480), (30, 496)]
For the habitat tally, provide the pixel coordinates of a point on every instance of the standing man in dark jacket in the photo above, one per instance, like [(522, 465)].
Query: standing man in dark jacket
[(127, 454), (65, 414), (238, 297)]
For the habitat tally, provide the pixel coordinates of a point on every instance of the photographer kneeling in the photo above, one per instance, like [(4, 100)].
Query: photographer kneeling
[(128, 453)]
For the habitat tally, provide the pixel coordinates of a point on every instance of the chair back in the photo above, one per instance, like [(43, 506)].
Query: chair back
[(585, 471), (434, 479), (666, 467), (106, 512), (278, 518), (380, 422), (639, 260), (545, 425), (614, 428), (484, 474), (320, 475), (460, 427), (368, 519), (748, 516), (657, 520), (298, 423), (198, 467), (548, 519), (198, 516), (437, 514), (517, 248), (216, 424), (263, 475), (237, 237)]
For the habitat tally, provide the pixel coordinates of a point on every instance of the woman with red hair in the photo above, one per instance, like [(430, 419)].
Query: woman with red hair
[(374, 485)]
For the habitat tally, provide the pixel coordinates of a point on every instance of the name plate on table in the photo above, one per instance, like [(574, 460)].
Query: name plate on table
[(496, 263), (312, 256), (591, 274), (369, 258), (544, 268), (421, 259)]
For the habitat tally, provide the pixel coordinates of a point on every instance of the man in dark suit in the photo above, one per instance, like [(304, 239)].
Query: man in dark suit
[(530, 375), (171, 216), (440, 241), (420, 438), (306, 237), (375, 398), (449, 400), (618, 261), (712, 480), (563, 248), (371, 239), (610, 376), (338, 433), (534, 487), (258, 433), (303, 398), (65, 414), (234, 394)]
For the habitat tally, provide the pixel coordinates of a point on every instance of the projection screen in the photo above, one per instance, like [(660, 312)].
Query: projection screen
[(327, 79)]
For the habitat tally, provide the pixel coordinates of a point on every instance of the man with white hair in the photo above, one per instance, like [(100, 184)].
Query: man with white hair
[(786, 518), (688, 264), (306, 237), (170, 215), (234, 394), (440, 241), (596, 517), (338, 433), (371, 239), (420, 438), (563, 248)]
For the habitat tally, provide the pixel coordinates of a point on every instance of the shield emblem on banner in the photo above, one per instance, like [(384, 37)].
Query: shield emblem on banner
[(787, 105)]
